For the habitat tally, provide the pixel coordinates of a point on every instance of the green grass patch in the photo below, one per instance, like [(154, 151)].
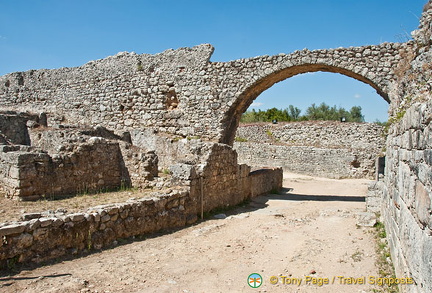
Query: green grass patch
[(240, 139), (383, 262)]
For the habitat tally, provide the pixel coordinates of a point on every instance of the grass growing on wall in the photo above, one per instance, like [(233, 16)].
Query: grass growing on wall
[(383, 262)]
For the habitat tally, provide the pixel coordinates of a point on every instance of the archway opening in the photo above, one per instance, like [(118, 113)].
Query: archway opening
[(303, 90), (249, 95), (346, 149)]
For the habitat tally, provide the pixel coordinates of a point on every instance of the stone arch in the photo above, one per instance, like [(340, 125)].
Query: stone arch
[(245, 99)]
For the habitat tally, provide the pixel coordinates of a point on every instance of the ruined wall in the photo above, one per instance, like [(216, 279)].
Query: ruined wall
[(179, 92), (47, 238), (122, 92), (407, 189), (219, 181), (14, 127), (9, 169), (332, 149), (223, 180), (138, 165), (266, 180), (29, 173), (66, 160)]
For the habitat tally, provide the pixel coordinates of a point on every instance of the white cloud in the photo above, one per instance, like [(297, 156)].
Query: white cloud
[(357, 96), (256, 104)]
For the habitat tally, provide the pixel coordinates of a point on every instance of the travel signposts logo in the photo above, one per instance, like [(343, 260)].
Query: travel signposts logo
[(254, 280)]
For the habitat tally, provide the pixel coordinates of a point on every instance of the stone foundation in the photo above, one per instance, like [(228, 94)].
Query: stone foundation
[(47, 238)]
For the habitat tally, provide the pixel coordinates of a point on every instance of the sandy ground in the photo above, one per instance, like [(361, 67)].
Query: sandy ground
[(308, 233)]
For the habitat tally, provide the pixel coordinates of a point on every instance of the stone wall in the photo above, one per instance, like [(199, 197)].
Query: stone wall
[(219, 181), (266, 180), (9, 169), (223, 180), (68, 160), (180, 92), (48, 237), (86, 167), (332, 149), (139, 165), (407, 190), (14, 129)]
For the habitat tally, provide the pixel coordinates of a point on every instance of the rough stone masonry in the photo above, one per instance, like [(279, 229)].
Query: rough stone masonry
[(186, 102), (333, 149)]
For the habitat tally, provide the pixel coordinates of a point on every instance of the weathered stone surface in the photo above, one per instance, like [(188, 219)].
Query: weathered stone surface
[(23, 241), (12, 229), (423, 206), (179, 91), (183, 172), (406, 194), (266, 180), (70, 156), (333, 149), (366, 219), (30, 216)]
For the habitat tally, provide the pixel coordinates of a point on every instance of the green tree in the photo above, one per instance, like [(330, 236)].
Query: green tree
[(356, 114), (294, 112), (314, 112)]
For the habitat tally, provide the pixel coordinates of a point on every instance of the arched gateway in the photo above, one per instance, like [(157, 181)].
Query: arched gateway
[(372, 65)]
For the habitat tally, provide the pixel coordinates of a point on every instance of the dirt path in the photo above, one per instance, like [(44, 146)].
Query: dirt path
[(310, 231)]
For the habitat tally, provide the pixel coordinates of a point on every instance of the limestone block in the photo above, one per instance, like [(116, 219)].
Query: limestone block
[(183, 172), (366, 219), (13, 229), (423, 206)]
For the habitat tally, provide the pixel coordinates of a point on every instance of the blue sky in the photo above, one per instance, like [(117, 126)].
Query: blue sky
[(38, 34)]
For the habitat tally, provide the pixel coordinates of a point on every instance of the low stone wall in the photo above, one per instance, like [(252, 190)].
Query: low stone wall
[(47, 238), (221, 182), (9, 170), (139, 166), (225, 183), (264, 180), (332, 149), (331, 163)]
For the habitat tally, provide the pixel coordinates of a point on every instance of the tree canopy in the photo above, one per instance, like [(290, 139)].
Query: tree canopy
[(313, 112)]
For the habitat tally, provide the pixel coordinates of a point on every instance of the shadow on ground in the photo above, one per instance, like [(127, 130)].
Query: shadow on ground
[(285, 194)]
